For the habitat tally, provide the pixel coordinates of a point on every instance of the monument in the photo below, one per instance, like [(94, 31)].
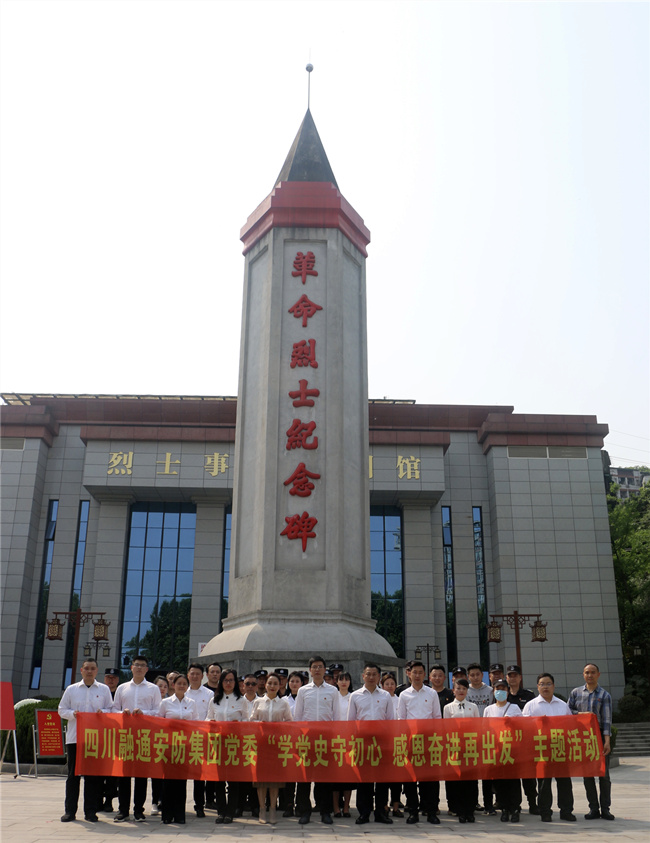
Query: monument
[(300, 558)]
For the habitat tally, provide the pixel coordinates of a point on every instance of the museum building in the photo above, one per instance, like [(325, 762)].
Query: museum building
[(121, 505)]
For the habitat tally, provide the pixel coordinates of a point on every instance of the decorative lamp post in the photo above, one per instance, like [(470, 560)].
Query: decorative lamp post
[(429, 648), (78, 619), (516, 621)]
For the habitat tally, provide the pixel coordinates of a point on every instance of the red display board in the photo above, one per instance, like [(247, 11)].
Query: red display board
[(7, 718), (367, 751), (50, 733)]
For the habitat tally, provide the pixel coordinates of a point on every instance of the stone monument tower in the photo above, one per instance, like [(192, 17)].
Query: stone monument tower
[(300, 559)]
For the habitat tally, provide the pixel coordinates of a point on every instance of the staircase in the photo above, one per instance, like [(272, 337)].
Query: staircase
[(632, 739)]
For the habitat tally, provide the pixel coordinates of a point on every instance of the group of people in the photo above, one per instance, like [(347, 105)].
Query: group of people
[(326, 693)]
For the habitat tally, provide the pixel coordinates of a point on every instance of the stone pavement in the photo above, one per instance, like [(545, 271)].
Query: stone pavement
[(31, 810)]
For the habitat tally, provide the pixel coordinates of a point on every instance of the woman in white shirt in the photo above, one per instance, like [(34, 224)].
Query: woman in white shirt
[(270, 708), (227, 705), (342, 805), (174, 791), (508, 791)]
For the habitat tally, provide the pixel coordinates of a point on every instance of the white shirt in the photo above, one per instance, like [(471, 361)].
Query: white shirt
[(250, 704), (367, 705), (418, 705), (82, 697), (184, 709), (228, 708), (271, 710), (508, 710), (292, 702), (460, 709), (540, 708), (202, 698), (145, 696), (343, 703), (316, 702)]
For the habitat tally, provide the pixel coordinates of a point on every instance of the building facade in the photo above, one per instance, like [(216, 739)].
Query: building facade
[(122, 504)]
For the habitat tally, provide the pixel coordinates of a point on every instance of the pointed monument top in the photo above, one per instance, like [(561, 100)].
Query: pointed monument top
[(307, 160)]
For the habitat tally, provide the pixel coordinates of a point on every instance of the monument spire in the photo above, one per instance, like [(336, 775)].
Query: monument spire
[(300, 556)]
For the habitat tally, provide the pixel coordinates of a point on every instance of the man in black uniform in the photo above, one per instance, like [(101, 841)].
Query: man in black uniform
[(438, 678), (520, 696)]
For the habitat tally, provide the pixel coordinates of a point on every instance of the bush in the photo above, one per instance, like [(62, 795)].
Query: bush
[(631, 709), (25, 719)]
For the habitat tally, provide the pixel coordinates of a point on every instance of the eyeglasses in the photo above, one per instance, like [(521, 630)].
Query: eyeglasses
[(544, 684), (250, 684)]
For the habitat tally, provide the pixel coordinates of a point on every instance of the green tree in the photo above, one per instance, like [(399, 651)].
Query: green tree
[(166, 644), (389, 614), (629, 522)]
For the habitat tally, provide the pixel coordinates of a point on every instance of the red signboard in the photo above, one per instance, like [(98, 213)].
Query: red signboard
[(366, 751), (50, 733), (7, 718)]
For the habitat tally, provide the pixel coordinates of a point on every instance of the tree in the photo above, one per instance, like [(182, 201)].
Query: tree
[(389, 614), (629, 522), (166, 643)]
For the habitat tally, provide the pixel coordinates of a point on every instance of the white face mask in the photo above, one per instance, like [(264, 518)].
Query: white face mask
[(501, 695)]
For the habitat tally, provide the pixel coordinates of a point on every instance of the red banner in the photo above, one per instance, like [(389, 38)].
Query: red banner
[(366, 751), (7, 718), (50, 733)]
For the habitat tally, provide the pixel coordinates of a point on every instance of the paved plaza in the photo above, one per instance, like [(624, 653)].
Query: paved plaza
[(31, 810)]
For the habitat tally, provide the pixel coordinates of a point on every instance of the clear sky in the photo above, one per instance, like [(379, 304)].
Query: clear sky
[(498, 152)]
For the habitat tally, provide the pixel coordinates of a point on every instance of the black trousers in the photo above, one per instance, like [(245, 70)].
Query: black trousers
[(508, 792), (605, 785), (545, 795), (428, 799), (365, 793), (174, 796), (462, 796), (139, 795), (227, 806), (199, 794), (92, 787), (322, 797)]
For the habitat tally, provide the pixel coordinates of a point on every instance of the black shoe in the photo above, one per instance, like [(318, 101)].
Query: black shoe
[(413, 818), (91, 818), (470, 818), (362, 819), (547, 818), (107, 808), (533, 809), (606, 814), (462, 819), (382, 818), (68, 818), (168, 822), (479, 808), (139, 817), (515, 816), (567, 816), (304, 819), (505, 817), (326, 818), (433, 819), (490, 812), (219, 820), (120, 818), (397, 813), (200, 813), (593, 815), (338, 815), (288, 812), (227, 820), (346, 815)]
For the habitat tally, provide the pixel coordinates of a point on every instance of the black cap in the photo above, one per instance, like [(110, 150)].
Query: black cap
[(336, 666), (514, 668), (281, 671), (496, 666), (260, 673), (304, 674), (457, 670), (111, 671), (500, 683), (328, 672)]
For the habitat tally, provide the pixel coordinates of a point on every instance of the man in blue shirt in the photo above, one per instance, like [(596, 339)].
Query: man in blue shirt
[(590, 697)]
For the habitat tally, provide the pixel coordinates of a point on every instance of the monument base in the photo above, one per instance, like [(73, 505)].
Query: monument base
[(250, 643)]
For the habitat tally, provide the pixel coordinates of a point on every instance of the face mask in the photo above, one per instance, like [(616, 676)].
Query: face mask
[(501, 696)]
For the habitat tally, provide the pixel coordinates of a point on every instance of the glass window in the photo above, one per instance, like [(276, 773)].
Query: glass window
[(157, 614), (44, 596), (479, 563), (386, 583), (225, 577), (450, 597)]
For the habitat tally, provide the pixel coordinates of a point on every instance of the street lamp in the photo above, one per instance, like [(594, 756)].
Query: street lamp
[(516, 621), (79, 619), (430, 648)]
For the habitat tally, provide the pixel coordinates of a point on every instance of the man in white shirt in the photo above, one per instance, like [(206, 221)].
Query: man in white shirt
[(371, 703), (202, 698), (315, 701), (87, 695), (135, 697), (547, 704), (419, 702)]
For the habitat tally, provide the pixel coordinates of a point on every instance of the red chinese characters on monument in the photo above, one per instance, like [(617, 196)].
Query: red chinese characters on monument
[(300, 527), (302, 397), (304, 309), (301, 434), (303, 265), (300, 479)]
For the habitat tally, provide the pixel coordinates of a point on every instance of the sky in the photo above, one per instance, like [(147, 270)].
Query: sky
[(498, 153)]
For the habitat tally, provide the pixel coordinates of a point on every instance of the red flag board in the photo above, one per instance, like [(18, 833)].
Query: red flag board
[(7, 717), (366, 751), (50, 733)]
